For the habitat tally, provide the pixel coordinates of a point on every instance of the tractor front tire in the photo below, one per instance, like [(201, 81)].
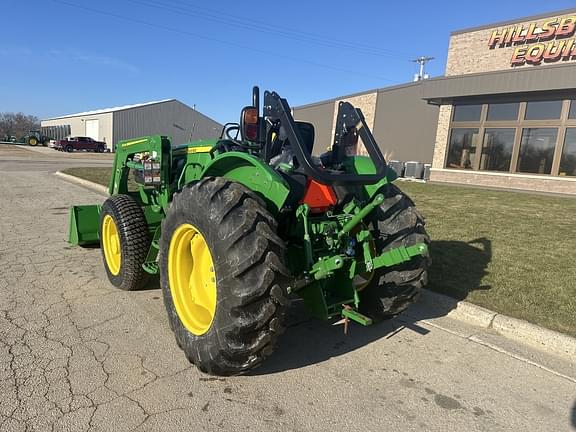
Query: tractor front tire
[(32, 141), (391, 290), (124, 241), (223, 276)]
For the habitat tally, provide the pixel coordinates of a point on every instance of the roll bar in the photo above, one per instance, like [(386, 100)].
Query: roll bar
[(277, 113)]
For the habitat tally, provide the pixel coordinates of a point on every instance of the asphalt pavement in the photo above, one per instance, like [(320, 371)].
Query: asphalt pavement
[(13, 157), (77, 354)]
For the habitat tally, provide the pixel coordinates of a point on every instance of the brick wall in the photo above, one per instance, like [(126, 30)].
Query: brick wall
[(504, 180), (442, 136), (470, 53)]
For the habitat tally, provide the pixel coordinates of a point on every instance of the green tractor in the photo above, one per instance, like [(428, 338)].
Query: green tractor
[(36, 137), (236, 226)]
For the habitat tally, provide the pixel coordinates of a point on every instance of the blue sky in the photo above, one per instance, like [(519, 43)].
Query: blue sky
[(65, 56)]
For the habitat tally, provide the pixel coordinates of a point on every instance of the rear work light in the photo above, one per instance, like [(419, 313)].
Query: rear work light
[(251, 132), (249, 121)]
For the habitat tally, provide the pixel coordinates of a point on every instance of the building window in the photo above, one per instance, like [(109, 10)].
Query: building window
[(537, 150), (572, 113), (568, 161), (543, 110), (464, 113), (503, 111), (497, 149), (462, 148), (514, 137)]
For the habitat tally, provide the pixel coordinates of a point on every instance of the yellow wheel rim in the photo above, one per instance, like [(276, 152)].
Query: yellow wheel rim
[(111, 245), (192, 279), (33, 141)]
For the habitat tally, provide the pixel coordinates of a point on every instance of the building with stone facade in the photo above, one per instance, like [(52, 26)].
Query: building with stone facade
[(503, 114)]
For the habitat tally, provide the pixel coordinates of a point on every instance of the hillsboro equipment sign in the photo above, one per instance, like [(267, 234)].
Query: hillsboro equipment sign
[(549, 42)]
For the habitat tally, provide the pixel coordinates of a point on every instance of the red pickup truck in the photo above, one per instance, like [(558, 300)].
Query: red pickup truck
[(79, 143)]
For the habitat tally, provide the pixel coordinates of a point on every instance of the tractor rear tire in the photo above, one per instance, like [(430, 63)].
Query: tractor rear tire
[(391, 290), (246, 276), (124, 241)]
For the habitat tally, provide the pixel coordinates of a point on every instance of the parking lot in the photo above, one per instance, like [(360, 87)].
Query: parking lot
[(14, 157), (77, 354)]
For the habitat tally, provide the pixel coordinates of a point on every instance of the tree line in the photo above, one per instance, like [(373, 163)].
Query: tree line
[(17, 125)]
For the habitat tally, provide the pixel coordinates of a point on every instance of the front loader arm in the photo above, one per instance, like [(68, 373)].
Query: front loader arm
[(158, 149), (85, 219)]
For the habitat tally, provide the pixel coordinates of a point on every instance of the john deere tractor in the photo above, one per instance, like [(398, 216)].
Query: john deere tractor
[(236, 226)]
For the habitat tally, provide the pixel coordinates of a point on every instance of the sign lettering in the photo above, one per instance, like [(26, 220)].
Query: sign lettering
[(534, 44)]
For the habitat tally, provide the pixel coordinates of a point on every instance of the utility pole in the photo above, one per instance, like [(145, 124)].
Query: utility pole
[(422, 60)]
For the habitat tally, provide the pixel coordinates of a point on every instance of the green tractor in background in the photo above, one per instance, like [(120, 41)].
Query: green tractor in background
[(36, 137), (236, 225)]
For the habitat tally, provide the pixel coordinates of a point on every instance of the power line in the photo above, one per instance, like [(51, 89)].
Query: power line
[(220, 41), (279, 29), (251, 24)]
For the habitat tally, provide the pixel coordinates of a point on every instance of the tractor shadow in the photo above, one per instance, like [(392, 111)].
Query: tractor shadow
[(573, 416), (458, 268)]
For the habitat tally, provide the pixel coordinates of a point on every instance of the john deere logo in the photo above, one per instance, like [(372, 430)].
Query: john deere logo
[(536, 43)]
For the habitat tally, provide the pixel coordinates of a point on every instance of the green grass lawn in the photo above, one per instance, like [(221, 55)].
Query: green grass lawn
[(510, 252), (96, 175)]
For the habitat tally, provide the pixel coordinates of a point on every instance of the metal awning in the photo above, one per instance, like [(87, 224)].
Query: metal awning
[(444, 90)]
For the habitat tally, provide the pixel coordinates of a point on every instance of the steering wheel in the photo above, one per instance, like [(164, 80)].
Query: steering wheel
[(228, 130)]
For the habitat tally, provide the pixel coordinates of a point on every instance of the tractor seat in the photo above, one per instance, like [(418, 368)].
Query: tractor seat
[(282, 144), (282, 153), (307, 132)]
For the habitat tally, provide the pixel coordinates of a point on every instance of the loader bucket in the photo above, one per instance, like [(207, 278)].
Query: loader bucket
[(84, 223)]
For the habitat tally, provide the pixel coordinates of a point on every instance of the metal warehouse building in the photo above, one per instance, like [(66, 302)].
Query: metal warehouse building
[(503, 114), (168, 117)]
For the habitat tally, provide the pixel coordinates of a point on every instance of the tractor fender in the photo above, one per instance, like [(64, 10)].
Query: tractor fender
[(364, 165), (252, 173)]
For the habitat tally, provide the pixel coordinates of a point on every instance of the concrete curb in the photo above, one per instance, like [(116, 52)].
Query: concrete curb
[(511, 328), (95, 187)]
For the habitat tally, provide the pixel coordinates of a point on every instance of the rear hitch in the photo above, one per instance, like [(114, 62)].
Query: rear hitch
[(348, 313)]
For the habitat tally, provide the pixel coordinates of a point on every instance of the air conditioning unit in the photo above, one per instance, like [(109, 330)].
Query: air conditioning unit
[(427, 171), (397, 166), (414, 169)]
